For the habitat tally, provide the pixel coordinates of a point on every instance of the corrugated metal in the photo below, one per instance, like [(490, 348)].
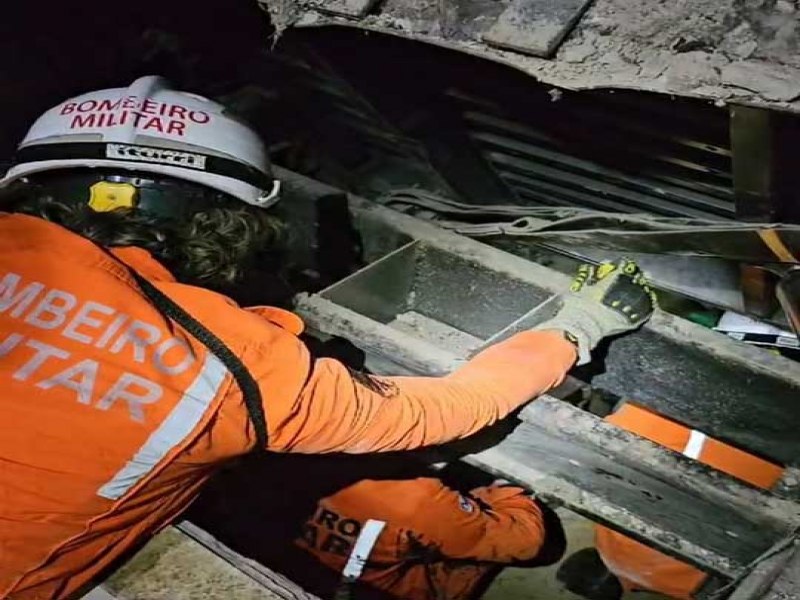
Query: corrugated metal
[(605, 151), (365, 150), (488, 135), (347, 114)]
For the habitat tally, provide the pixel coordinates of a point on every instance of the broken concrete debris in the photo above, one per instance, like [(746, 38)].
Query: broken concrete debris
[(535, 26), (773, 82), (722, 50)]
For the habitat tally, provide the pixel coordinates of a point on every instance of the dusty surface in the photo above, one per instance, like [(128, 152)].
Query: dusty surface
[(537, 27), (436, 332), (743, 50), (174, 567)]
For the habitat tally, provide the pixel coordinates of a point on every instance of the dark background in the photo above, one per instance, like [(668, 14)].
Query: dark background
[(54, 50)]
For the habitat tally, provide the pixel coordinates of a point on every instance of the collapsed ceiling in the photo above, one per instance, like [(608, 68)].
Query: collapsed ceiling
[(741, 51)]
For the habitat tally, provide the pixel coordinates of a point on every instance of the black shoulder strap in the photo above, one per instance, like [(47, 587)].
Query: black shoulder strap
[(245, 381)]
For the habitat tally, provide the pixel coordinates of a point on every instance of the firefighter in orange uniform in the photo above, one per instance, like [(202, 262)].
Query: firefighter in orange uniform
[(417, 539), (127, 382), (628, 565)]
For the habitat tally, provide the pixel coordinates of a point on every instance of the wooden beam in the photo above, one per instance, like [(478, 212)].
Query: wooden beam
[(752, 148), (630, 484), (758, 290), (787, 584)]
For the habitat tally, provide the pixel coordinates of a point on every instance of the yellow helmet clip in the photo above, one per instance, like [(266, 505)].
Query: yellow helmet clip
[(107, 196)]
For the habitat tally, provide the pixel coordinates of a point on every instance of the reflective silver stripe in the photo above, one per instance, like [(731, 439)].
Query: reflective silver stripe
[(361, 549), (695, 443), (185, 416)]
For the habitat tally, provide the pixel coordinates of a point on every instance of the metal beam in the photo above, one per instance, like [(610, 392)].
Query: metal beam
[(752, 146)]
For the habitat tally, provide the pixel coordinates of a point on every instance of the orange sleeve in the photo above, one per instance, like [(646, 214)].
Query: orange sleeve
[(336, 412), (495, 524)]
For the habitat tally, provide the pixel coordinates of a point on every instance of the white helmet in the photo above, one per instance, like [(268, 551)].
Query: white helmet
[(150, 128)]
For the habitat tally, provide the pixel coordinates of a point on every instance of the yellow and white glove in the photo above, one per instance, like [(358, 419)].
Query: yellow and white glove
[(604, 300)]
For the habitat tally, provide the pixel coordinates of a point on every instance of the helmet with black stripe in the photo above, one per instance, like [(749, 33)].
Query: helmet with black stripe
[(135, 146)]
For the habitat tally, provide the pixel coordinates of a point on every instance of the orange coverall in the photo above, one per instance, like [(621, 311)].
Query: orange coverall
[(639, 567), (437, 544), (113, 417)]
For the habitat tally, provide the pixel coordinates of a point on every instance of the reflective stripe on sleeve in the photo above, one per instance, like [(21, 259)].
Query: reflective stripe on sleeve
[(361, 549), (180, 422), (694, 446)]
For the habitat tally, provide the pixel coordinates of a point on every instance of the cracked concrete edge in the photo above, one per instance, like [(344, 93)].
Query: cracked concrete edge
[(745, 81), (177, 566)]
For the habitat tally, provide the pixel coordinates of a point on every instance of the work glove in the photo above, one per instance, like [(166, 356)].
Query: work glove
[(604, 300)]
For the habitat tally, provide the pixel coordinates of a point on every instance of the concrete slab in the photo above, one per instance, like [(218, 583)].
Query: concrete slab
[(99, 594), (173, 566), (727, 51), (346, 8), (535, 27)]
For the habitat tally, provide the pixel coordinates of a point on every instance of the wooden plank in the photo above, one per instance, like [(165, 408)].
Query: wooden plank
[(352, 9), (689, 374), (535, 27), (753, 157), (640, 488), (570, 423)]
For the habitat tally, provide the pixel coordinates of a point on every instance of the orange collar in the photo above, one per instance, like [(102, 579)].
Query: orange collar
[(19, 231)]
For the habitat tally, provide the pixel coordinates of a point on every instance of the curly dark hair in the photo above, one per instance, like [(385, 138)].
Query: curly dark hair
[(214, 247)]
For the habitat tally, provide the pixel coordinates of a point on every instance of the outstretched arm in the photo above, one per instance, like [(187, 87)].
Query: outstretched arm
[(337, 412)]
